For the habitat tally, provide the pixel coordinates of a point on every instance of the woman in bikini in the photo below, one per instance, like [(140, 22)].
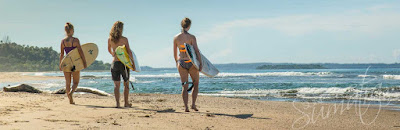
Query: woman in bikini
[(68, 44), (184, 65), (117, 68)]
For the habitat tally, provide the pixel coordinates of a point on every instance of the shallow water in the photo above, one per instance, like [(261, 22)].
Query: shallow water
[(330, 85)]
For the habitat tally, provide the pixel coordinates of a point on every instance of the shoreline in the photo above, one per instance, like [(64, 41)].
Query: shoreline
[(7, 77), (165, 111), (15, 77)]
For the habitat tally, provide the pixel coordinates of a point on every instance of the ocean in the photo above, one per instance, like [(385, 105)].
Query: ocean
[(374, 85)]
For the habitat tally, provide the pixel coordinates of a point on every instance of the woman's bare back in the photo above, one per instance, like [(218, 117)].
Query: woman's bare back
[(180, 41), (121, 42)]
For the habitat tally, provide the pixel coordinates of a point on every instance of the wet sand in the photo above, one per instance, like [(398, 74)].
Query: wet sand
[(22, 76)]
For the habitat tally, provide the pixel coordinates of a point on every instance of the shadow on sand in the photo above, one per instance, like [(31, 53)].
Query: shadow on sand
[(170, 110)]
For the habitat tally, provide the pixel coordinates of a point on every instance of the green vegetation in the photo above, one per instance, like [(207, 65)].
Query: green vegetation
[(292, 66), (14, 57)]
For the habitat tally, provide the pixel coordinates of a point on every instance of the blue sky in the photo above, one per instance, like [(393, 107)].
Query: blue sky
[(227, 31)]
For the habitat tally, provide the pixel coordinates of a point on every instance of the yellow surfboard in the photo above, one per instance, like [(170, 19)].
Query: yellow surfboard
[(123, 56)]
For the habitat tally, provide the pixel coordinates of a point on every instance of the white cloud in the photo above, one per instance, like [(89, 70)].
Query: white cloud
[(380, 7), (304, 24), (368, 22)]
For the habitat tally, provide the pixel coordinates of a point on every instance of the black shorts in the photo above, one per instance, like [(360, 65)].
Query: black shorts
[(118, 69)]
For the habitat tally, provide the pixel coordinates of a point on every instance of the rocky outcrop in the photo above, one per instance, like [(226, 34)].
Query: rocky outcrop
[(21, 88), (30, 89), (84, 89)]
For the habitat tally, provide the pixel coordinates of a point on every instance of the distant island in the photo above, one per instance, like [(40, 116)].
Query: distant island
[(252, 66), (292, 66)]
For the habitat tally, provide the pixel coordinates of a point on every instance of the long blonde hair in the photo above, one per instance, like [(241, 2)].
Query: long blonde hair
[(68, 28), (116, 31)]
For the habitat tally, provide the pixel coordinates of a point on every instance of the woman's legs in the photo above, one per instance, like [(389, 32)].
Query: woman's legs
[(76, 78), (67, 76), (194, 74), (184, 78), (126, 93), (116, 92), (118, 69), (125, 77), (117, 85)]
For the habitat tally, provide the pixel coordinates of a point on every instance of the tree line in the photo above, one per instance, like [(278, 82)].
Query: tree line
[(15, 57)]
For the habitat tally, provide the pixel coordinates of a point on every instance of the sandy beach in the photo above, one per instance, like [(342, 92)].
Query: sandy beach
[(158, 111), (19, 110)]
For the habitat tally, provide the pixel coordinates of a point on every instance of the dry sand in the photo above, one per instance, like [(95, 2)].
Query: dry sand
[(166, 111)]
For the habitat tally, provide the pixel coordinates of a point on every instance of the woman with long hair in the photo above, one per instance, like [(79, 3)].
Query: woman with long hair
[(118, 69)]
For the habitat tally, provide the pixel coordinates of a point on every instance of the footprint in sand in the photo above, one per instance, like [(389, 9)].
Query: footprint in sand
[(20, 121), (147, 116), (115, 123), (55, 120), (3, 123)]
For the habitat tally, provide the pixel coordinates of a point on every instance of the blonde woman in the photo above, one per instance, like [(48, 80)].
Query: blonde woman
[(117, 68), (68, 44), (184, 65)]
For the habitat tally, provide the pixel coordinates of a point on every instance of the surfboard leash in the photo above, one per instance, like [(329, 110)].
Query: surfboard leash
[(126, 73), (129, 70), (133, 88), (190, 88)]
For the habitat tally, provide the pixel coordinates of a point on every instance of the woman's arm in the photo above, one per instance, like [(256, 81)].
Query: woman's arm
[(128, 48), (81, 53), (196, 48), (61, 53), (110, 50), (175, 50)]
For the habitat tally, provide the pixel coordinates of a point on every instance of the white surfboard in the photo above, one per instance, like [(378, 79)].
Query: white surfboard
[(208, 68), (72, 61)]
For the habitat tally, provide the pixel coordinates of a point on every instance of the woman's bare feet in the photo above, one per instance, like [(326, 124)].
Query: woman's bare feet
[(71, 101), (118, 106), (128, 105), (187, 110), (194, 108)]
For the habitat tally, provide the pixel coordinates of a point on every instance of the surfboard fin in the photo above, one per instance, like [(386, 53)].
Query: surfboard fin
[(73, 68)]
